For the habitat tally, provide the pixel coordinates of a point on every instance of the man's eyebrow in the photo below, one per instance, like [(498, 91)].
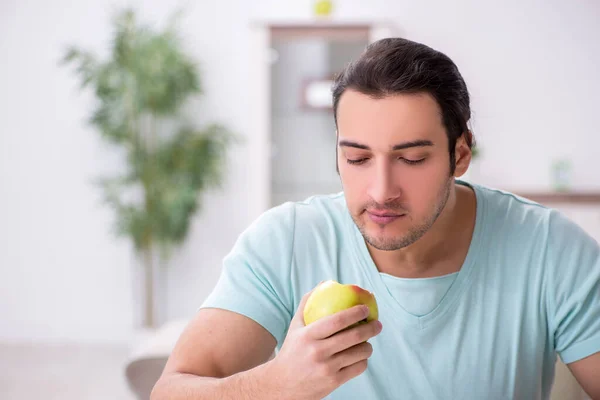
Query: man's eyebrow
[(401, 146), (347, 143), (415, 143)]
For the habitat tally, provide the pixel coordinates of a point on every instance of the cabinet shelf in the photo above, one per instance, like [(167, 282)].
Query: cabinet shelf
[(588, 198)]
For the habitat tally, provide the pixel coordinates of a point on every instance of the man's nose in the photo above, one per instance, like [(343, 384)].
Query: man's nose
[(383, 187)]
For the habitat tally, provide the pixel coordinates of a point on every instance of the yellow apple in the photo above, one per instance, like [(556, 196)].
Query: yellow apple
[(330, 297)]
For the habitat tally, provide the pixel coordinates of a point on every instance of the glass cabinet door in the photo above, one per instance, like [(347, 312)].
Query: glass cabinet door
[(303, 138)]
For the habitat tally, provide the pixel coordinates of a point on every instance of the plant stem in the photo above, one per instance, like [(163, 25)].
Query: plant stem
[(149, 286), (149, 234)]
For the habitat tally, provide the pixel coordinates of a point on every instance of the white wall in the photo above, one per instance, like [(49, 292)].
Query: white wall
[(532, 68)]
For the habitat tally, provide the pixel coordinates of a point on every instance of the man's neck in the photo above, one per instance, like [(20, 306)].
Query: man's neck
[(440, 251)]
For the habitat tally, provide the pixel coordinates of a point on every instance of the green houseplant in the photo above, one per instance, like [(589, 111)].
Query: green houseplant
[(140, 90)]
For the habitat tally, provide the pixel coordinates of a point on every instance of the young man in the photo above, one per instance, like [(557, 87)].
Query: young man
[(478, 289)]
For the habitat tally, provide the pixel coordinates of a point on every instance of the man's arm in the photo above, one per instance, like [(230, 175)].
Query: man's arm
[(572, 276), (217, 344), (314, 360), (587, 373)]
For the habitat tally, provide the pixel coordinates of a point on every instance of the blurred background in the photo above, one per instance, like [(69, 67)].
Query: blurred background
[(119, 199)]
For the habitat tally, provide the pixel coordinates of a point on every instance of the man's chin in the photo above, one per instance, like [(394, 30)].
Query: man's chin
[(384, 243), (389, 237), (383, 236)]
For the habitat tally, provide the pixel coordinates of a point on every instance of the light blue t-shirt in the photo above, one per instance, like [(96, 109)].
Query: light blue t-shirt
[(418, 296), (529, 289)]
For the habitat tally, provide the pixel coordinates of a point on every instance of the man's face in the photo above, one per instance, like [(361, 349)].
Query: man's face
[(394, 165)]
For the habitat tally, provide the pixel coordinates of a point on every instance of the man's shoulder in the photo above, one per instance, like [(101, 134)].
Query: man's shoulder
[(519, 216), (317, 212), (315, 208), (509, 208), (499, 197)]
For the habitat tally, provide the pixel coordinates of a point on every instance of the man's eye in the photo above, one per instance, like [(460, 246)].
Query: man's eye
[(357, 161), (412, 162)]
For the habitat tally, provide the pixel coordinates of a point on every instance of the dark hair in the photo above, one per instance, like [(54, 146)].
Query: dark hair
[(396, 66)]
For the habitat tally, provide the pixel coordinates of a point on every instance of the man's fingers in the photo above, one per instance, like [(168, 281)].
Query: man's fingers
[(352, 371), (352, 355), (339, 321), (352, 337), (298, 320)]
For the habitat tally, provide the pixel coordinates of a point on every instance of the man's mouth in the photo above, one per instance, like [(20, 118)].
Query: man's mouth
[(383, 217)]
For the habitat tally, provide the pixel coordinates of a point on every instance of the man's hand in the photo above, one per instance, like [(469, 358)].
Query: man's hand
[(316, 359)]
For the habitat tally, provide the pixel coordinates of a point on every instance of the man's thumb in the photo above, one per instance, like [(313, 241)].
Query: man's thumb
[(298, 320)]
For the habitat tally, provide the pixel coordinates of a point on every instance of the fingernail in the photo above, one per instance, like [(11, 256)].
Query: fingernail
[(366, 311)]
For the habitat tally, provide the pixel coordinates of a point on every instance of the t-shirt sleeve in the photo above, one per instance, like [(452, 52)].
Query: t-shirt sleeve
[(574, 289), (254, 280)]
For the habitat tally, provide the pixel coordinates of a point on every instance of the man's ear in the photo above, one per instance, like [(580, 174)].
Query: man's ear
[(462, 154), (337, 165)]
